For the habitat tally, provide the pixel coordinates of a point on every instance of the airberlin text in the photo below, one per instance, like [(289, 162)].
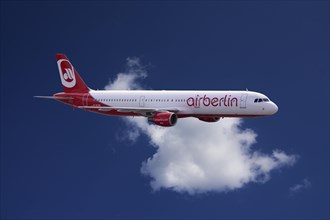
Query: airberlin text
[(225, 101)]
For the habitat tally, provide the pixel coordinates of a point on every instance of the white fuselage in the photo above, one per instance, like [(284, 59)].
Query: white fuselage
[(191, 103)]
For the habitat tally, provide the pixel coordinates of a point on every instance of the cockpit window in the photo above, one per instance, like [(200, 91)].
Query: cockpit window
[(261, 100)]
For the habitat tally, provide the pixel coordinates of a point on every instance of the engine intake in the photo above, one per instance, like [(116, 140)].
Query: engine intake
[(209, 119), (165, 119)]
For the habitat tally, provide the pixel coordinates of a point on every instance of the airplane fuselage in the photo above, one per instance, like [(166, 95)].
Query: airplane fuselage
[(186, 103)]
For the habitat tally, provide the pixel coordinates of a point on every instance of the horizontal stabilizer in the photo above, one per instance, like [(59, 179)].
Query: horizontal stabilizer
[(53, 97)]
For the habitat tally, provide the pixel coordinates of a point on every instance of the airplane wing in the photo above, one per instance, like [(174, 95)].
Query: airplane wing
[(139, 110)]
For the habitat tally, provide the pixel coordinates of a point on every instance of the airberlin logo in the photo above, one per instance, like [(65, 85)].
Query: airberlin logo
[(226, 101), (66, 73)]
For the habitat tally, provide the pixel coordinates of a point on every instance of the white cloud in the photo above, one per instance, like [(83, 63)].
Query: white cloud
[(305, 184), (197, 157), (129, 79)]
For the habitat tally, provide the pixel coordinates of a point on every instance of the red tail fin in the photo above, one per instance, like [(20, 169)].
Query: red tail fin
[(71, 81)]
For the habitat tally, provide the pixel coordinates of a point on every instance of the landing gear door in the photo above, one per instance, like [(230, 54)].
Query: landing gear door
[(243, 101)]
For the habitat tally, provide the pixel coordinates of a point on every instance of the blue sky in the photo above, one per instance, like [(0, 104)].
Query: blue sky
[(57, 163)]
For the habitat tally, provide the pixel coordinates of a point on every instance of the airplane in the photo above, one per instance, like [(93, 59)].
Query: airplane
[(163, 108)]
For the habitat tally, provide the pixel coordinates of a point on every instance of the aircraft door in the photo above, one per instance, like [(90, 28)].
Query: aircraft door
[(85, 99), (243, 101), (142, 98)]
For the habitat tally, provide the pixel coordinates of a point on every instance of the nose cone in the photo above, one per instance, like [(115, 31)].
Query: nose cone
[(274, 108)]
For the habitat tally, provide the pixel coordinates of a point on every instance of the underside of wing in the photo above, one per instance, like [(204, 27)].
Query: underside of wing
[(140, 110)]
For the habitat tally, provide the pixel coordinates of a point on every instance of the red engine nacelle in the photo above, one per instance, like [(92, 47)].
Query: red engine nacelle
[(209, 119), (165, 119)]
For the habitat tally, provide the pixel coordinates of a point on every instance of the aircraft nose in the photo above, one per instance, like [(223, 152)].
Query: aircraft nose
[(274, 108)]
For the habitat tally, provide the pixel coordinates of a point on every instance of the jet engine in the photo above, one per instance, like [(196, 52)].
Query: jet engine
[(165, 119), (209, 119)]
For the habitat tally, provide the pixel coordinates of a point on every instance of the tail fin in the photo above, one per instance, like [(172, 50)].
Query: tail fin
[(71, 81)]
